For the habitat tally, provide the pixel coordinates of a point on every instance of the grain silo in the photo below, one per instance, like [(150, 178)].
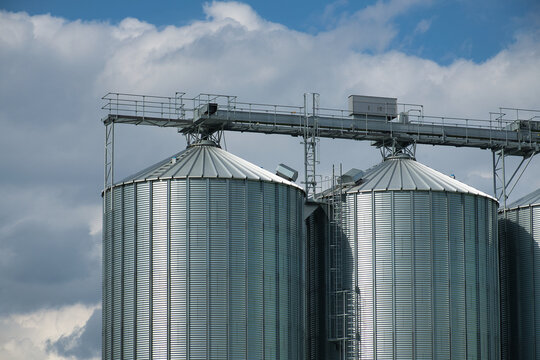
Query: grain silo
[(519, 229), (203, 259), (424, 265), (316, 307)]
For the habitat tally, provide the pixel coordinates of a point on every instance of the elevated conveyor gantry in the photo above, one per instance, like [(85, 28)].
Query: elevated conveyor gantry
[(509, 132)]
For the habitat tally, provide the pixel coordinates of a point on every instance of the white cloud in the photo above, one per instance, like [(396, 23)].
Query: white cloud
[(330, 13), (131, 28), (14, 30), (385, 11), (53, 72), (371, 28), (25, 336), (423, 26), (236, 12)]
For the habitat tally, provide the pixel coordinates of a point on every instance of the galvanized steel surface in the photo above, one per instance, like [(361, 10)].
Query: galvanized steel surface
[(203, 268), (206, 160), (316, 333), (519, 230), (425, 275), (527, 200), (404, 173), (423, 256)]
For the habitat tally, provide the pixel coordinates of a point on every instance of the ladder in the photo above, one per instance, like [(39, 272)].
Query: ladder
[(339, 298)]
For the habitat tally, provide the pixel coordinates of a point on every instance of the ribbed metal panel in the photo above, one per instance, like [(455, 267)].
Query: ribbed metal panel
[(423, 275), (238, 298), (352, 325), (255, 293), (179, 270), (403, 173), (295, 277), (285, 321), (198, 269), (143, 278), (298, 198), (526, 289), (204, 268), (365, 276), (403, 276), (270, 252), (457, 277), (129, 273), (205, 160), (509, 283), (520, 242), (316, 285), (441, 279), (160, 264), (384, 284), (107, 278), (483, 270), (535, 220), (531, 199), (117, 274), (426, 277), (494, 343), (471, 275), (218, 316)]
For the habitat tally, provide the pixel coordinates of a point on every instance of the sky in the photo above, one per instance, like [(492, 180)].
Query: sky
[(58, 58)]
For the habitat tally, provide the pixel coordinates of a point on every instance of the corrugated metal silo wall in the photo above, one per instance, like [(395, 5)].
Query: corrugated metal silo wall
[(316, 335), (203, 269), (425, 275), (520, 282)]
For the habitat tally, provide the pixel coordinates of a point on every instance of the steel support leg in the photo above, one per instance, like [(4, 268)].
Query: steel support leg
[(502, 188), (311, 140), (109, 162)]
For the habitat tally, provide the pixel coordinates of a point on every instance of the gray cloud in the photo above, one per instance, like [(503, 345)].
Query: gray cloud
[(42, 267)]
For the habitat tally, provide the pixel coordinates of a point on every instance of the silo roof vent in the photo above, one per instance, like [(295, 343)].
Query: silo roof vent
[(286, 172), (352, 176)]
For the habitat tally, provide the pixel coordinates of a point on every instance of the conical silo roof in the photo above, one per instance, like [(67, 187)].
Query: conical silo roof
[(527, 200), (404, 173), (205, 159)]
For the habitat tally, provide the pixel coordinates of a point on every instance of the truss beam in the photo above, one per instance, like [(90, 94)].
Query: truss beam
[(311, 142), (108, 181), (213, 114), (503, 188)]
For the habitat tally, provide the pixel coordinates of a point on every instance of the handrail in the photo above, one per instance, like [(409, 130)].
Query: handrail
[(166, 107)]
